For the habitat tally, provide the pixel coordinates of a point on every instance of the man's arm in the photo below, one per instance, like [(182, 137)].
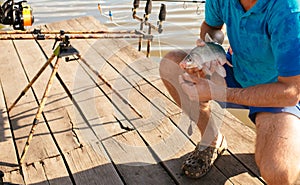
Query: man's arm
[(285, 92), (215, 33)]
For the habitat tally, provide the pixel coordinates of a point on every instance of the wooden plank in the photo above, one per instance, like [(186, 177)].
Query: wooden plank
[(132, 96), (86, 121), (135, 160), (105, 110), (156, 129), (8, 159), (83, 90), (55, 172), (234, 169), (240, 138), (13, 177), (22, 115), (35, 174), (151, 131), (146, 90), (54, 112), (90, 167), (250, 163)]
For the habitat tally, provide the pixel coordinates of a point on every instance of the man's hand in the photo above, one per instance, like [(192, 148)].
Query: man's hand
[(197, 89), (201, 89), (200, 43)]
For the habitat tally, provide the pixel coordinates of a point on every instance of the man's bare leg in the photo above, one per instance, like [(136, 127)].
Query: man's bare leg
[(278, 147), (198, 111)]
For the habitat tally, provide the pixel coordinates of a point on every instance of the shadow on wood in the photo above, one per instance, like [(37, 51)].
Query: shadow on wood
[(141, 173)]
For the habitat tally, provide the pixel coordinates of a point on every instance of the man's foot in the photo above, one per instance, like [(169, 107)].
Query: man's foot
[(200, 161)]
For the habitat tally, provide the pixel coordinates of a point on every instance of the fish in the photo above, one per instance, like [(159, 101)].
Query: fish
[(209, 58)]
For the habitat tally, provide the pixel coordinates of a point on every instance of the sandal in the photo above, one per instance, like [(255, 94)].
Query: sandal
[(200, 161)]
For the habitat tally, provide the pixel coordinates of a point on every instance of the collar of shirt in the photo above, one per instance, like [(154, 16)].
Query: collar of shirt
[(258, 7)]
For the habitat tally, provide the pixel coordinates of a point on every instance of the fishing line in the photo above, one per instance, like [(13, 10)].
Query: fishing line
[(159, 46)]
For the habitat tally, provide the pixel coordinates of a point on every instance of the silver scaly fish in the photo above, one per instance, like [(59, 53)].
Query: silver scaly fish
[(210, 58)]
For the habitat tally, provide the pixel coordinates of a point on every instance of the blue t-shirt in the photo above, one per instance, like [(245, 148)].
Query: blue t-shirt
[(265, 39)]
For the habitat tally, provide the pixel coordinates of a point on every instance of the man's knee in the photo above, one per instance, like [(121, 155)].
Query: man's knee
[(277, 147), (277, 174), (169, 69), (172, 59)]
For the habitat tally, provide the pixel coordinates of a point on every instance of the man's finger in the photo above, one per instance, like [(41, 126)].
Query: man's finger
[(200, 42), (188, 88)]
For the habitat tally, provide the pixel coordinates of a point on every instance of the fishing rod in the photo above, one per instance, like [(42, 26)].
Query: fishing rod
[(39, 31), (180, 1), (37, 34), (48, 37), (198, 11), (144, 21)]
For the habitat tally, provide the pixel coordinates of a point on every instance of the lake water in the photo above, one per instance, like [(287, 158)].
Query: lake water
[(181, 28)]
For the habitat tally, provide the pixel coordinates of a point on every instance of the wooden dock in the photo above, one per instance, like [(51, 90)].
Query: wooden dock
[(122, 128)]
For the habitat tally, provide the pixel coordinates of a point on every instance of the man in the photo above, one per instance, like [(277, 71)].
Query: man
[(264, 37)]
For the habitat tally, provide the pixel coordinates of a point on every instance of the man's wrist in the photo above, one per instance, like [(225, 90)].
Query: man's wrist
[(219, 93)]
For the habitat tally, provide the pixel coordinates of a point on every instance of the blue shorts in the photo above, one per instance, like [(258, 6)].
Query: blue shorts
[(231, 82)]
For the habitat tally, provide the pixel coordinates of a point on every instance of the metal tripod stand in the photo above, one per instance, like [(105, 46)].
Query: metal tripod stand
[(64, 49)]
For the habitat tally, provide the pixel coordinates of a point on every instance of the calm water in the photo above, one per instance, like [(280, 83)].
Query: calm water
[(181, 27)]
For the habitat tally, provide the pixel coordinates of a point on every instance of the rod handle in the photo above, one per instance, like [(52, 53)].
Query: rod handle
[(162, 13), (136, 4), (148, 7)]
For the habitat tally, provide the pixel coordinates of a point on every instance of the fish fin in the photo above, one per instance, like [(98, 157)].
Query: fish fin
[(221, 70), (206, 71), (208, 38), (228, 63), (224, 61)]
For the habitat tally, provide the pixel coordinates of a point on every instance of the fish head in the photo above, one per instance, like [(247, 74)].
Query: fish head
[(191, 61)]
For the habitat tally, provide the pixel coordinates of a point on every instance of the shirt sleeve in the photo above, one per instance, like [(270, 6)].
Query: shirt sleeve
[(285, 37), (213, 13)]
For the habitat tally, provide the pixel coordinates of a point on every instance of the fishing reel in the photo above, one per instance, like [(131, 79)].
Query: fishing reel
[(17, 14)]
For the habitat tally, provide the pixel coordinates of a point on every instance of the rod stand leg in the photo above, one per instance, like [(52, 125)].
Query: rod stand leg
[(1, 178), (31, 82), (40, 110)]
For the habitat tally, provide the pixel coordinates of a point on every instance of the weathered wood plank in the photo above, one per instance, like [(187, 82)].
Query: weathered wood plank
[(110, 113), (56, 172), (240, 138), (22, 115), (227, 131), (35, 174), (86, 92), (56, 116), (135, 161), (146, 90), (8, 159), (13, 177), (90, 167), (234, 169), (142, 136), (89, 124), (152, 124)]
